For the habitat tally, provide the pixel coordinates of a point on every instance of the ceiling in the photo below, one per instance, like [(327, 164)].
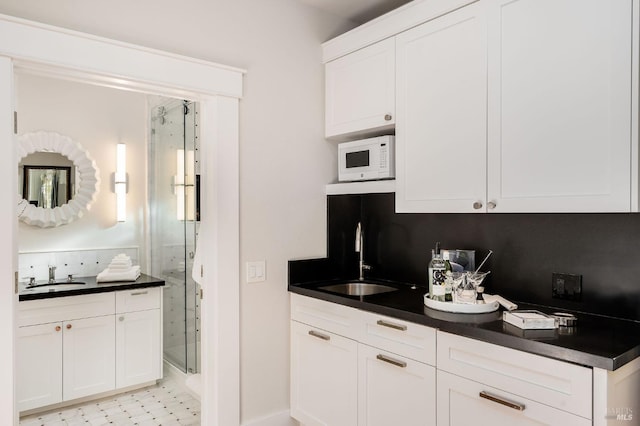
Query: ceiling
[(359, 11)]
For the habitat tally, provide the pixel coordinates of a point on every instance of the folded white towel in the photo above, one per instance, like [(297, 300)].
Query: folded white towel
[(121, 268), (108, 275)]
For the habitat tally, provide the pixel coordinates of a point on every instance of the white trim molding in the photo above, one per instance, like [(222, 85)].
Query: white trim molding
[(56, 52), (281, 418), (36, 47), (86, 187)]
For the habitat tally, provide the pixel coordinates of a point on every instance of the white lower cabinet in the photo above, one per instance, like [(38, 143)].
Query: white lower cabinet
[(381, 371), (88, 361), (324, 377), (394, 390), (76, 346), (463, 402), (46, 377), (138, 351), (39, 365), (343, 381)]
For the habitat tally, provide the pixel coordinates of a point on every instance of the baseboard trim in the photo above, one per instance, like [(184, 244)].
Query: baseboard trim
[(179, 377), (282, 418)]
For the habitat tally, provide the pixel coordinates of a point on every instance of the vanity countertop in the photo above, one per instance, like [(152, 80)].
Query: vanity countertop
[(597, 341), (90, 286)]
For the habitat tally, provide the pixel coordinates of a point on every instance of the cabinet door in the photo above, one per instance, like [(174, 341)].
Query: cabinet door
[(324, 374), (89, 356), (394, 390), (442, 114), (138, 352), (462, 402), (360, 90), (560, 105), (39, 365)]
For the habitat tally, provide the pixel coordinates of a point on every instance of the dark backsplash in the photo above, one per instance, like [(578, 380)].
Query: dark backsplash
[(527, 249)]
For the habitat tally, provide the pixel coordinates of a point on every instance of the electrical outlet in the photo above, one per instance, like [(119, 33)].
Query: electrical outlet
[(566, 286)]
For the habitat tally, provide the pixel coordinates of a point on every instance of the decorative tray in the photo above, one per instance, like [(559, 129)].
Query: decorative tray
[(461, 308)]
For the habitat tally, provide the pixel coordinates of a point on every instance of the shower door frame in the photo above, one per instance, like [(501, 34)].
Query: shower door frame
[(57, 52)]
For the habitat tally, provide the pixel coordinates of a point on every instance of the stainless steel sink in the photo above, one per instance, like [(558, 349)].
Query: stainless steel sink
[(358, 288), (59, 284)]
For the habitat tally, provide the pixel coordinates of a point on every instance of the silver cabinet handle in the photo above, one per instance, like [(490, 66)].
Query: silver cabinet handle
[(139, 293), (121, 319), (392, 325), (477, 205), (319, 335), (390, 360), (493, 398), (388, 117), (491, 205)]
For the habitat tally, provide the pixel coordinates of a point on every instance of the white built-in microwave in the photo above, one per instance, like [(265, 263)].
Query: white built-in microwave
[(367, 159)]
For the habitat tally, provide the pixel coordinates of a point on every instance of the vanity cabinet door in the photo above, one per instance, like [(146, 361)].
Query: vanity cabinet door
[(394, 390), (441, 136), (39, 365), (463, 402), (138, 351), (324, 377), (89, 356), (360, 91)]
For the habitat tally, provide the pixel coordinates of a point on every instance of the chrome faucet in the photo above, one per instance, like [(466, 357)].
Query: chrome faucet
[(52, 274), (360, 249)]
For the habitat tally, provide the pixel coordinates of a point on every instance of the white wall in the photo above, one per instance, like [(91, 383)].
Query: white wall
[(97, 118), (285, 160)]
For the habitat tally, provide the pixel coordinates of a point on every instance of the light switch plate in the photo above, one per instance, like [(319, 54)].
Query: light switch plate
[(256, 271)]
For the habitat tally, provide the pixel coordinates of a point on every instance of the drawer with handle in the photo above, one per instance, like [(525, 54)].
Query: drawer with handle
[(465, 402), (555, 383), (139, 299), (328, 316), (404, 338)]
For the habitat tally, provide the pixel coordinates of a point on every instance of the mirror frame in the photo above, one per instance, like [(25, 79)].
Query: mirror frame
[(87, 185)]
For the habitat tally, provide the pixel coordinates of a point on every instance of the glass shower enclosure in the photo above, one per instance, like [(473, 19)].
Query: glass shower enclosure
[(173, 225)]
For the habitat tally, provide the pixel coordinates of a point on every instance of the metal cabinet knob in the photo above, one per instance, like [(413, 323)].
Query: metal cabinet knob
[(491, 205), (58, 328), (121, 319), (388, 117), (477, 205), (68, 326)]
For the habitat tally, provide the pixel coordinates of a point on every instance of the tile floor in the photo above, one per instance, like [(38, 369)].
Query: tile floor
[(163, 404)]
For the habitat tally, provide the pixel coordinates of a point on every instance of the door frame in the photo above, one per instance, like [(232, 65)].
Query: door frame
[(71, 55)]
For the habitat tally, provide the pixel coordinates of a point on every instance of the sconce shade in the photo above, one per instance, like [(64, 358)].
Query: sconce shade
[(120, 182)]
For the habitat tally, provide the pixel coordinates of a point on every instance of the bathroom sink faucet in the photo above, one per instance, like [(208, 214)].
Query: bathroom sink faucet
[(52, 274), (360, 249)]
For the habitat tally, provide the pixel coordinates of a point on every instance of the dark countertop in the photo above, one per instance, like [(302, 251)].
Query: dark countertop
[(90, 286), (597, 341)]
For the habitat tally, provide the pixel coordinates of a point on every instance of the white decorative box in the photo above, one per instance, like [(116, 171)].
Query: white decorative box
[(529, 319)]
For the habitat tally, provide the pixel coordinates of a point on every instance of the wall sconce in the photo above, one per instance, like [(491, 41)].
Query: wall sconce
[(120, 183), (184, 185)]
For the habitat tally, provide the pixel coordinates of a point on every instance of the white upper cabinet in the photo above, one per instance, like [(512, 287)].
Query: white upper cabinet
[(559, 119), (360, 95), (442, 108), (500, 105)]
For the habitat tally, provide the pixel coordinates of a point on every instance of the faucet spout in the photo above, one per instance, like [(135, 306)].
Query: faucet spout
[(360, 249), (52, 274)]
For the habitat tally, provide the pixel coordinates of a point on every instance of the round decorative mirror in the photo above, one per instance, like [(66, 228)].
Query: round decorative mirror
[(57, 179)]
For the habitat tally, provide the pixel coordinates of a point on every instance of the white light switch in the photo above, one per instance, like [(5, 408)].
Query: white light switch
[(256, 271)]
